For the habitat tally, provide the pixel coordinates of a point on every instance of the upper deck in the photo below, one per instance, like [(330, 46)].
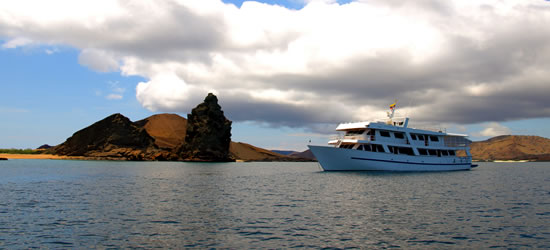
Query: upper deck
[(396, 124), (397, 132)]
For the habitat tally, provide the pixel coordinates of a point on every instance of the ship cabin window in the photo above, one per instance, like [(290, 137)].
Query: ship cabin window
[(406, 151), (399, 135), (401, 150), (385, 133), (355, 132), (370, 132), (444, 153), (433, 138), (377, 148), (432, 151), (451, 152), (420, 137), (366, 147), (422, 151), (413, 136), (360, 147), (347, 146)]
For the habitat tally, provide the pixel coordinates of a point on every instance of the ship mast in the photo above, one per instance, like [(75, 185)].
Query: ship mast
[(392, 110)]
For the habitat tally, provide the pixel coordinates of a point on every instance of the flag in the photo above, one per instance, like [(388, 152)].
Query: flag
[(393, 106)]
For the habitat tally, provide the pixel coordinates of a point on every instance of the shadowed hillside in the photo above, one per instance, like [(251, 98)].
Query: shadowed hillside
[(114, 137)]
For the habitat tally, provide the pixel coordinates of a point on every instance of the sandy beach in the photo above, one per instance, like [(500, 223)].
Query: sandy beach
[(37, 156)]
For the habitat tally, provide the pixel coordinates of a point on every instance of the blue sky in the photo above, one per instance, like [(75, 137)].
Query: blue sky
[(48, 96), (283, 76)]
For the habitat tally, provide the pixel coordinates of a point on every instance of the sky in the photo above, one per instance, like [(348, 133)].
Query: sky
[(285, 72)]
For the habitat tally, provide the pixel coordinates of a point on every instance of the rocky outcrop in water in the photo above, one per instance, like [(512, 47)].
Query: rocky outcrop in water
[(115, 137), (208, 134)]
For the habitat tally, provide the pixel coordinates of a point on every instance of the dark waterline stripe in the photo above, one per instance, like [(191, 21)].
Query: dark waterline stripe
[(414, 163)]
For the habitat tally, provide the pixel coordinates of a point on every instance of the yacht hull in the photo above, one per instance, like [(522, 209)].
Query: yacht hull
[(341, 159)]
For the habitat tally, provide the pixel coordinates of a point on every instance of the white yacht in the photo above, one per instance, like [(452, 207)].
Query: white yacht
[(392, 145)]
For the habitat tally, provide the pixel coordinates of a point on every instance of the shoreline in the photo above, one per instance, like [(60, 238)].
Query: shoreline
[(39, 157), (62, 157)]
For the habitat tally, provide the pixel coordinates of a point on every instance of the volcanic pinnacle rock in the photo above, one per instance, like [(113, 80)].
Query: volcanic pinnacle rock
[(208, 133)]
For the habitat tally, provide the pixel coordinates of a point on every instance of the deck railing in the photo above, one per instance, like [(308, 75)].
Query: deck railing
[(353, 137)]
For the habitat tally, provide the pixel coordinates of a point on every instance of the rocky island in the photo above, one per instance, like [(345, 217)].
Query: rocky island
[(205, 136), (512, 148)]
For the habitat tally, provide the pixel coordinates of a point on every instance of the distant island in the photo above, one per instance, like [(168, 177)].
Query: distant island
[(511, 148), (206, 136)]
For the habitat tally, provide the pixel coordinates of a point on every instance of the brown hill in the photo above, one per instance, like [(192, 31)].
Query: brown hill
[(153, 138), (247, 152), (512, 147), (306, 154), (168, 130)]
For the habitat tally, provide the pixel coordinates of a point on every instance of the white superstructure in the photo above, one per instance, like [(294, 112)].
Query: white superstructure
[(393, 146)]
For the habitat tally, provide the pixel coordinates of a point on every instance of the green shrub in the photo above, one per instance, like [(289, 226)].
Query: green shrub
[(20, 151)]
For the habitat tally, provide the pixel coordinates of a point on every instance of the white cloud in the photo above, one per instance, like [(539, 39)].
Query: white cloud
[(117, 91), (114, 97), (16, 42), (51, 51), (493, 129), (98, 60), (115, 87), (167, 91), (455, 61)]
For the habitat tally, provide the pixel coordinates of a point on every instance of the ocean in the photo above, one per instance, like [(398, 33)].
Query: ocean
[(105, 204)]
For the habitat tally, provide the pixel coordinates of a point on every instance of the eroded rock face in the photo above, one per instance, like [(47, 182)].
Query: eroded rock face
[(115, 137), (208, 133)]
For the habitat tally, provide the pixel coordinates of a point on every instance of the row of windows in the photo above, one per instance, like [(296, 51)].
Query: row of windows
[(424, 137), (399, 135), (371, 147), (401, 150), (355, 132), (436, 152)]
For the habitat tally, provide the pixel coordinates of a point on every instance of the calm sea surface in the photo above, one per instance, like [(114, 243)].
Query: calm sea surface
[(82, 204)]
